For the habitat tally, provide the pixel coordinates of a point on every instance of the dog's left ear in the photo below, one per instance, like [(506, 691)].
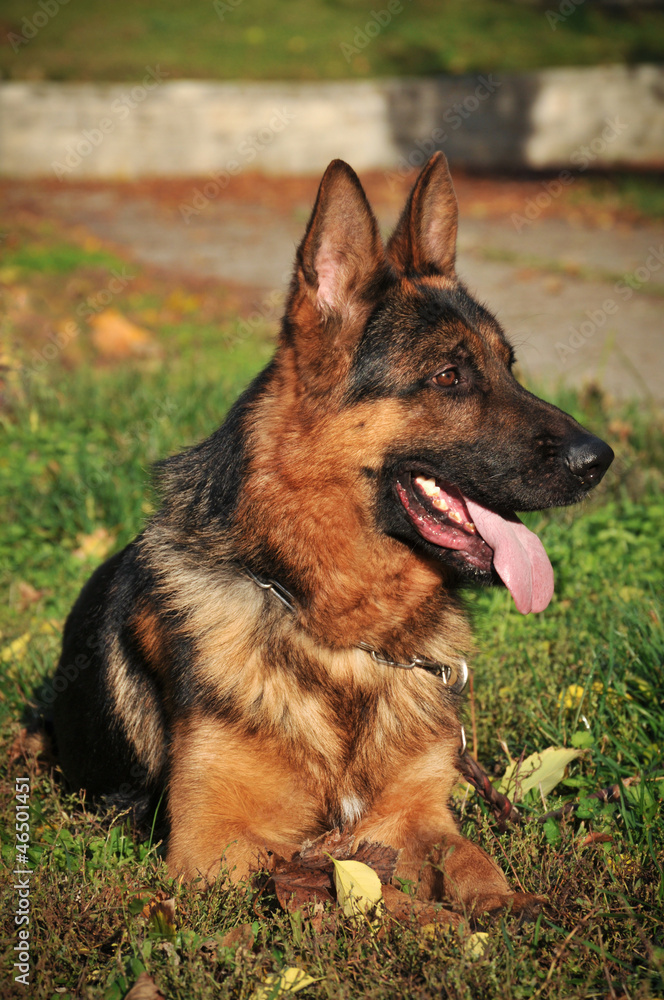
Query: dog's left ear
[(342, 248), (424, 241), (339, 269)]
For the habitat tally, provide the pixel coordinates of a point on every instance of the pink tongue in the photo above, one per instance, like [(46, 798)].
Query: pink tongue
[(519, 557)]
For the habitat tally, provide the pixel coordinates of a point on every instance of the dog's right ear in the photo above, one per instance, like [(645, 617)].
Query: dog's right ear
[(339, 267), (424, 241)]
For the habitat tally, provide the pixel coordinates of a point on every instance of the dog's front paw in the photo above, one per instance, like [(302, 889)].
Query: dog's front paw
[(525, 905)]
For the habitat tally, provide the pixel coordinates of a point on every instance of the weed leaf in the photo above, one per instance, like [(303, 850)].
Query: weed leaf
[(543, 770)]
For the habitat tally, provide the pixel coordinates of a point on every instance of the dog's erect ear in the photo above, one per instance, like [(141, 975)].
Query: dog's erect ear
[(424, 241), (340, 271), (342, 252)]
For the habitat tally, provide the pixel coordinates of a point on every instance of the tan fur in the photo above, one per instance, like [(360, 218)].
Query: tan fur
[(271, 792), (232, 798), (148, 631), (366, 587), (137, 705)]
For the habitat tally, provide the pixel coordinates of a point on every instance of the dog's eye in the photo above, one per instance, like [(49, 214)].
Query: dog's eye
[(446, 378)]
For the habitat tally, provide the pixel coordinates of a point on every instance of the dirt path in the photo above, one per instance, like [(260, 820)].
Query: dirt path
[(580, 293)]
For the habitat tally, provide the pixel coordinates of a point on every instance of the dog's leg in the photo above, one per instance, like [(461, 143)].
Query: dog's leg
[(465, 875), (412, 816), (470, 879), (447, 868), (457, 872), (231, 800)]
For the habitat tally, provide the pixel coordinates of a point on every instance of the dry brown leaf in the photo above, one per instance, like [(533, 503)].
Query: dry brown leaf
[(298, 885), (338, 843), (307, 880), (407, 909), (160, 914), (322, 919), (209, 946), (597, 838), (28, 595), (145, 988), (32, 746), (240, 938), (116, 337), (381, 857), (159, 897)]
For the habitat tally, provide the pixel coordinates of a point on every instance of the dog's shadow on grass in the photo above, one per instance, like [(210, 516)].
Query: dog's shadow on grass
[(35, 745)]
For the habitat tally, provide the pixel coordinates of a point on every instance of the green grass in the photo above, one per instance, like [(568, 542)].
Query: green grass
[(642, 193), (62, 258), (78, 441), (257, 39)]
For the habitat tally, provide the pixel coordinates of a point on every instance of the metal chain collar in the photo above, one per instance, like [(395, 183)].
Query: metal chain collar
[(442, 670)]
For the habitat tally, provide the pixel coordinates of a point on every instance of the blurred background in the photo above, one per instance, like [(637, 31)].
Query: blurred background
[(190, 138)]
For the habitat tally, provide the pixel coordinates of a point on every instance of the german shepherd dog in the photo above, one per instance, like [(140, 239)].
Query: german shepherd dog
[(281, 649)]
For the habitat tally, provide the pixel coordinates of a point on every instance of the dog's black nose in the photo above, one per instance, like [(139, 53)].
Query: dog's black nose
[(588, 458)]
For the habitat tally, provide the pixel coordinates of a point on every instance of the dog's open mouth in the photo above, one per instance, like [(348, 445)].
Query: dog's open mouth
[(481, 537)]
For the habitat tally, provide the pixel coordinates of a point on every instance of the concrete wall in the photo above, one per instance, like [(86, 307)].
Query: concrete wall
[(551, 119)]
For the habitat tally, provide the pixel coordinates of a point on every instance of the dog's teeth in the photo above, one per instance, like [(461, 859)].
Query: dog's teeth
[(455, 517), (469, 527), (428, 486), (440, 503)]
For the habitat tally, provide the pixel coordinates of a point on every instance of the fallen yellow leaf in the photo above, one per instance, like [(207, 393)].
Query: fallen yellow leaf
[(115, 336), (16, 649), (95, 545), (289, 980), (358, 887), (475, 945)]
